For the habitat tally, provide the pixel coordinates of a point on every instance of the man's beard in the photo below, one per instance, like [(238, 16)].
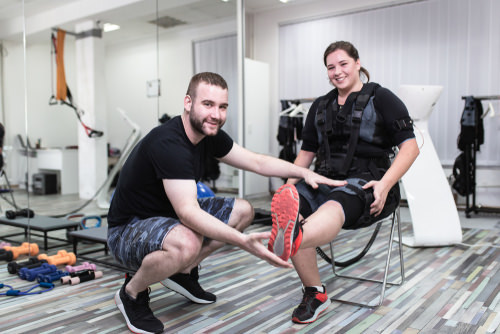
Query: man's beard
[(197, 124)]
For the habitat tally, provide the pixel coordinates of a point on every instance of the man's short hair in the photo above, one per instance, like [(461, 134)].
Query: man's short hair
[(208, 78)]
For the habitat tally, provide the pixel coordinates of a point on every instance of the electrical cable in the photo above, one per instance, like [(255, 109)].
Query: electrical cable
[(94, 196), (355, 258)]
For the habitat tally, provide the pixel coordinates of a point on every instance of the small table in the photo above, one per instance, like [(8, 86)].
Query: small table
[(39, 223)]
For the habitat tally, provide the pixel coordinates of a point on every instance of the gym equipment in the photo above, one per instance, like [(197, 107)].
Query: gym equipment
[(3, 244), (203, 190), (83, 222), (32, 262), (28, 213), (97, 235), (91, 275), (12, 292), (40, 223), (469, 141), (63, 93), (62, 257), (84, 272), (52, 276), (83, 266), (31, 274), (11, 253), (433, 211)]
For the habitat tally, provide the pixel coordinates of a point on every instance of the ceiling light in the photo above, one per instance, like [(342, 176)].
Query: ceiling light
[(107, 27)]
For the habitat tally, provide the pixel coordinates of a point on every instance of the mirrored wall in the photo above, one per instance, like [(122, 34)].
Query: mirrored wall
[(121, 82)]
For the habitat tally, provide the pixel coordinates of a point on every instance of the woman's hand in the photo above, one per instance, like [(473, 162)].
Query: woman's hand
[(380, 192)]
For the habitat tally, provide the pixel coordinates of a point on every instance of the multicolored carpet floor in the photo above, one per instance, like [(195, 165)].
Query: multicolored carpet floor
[(447, 290)]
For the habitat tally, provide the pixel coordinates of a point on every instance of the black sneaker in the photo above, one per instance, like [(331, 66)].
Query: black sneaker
[(188, 286), (312, 305), (138, 315)]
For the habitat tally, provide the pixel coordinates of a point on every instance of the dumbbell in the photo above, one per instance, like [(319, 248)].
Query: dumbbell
[(83, 266), (62, 257), (31, 274), (32, 262), (52, 276), (11, 214), (11, 253), (3, 244), (79, 273), (84, 278)]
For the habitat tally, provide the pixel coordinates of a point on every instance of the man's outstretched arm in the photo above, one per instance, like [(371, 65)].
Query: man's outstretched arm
[(183, 196), (270, 166)]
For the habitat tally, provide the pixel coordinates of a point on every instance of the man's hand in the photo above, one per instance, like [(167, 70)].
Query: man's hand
[(313, 179), (253, 244)]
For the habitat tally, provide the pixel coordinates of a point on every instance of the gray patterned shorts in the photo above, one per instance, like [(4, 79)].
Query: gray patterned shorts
[(130, 243)]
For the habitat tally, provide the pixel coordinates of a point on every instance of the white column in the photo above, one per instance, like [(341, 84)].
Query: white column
[(90, 97)]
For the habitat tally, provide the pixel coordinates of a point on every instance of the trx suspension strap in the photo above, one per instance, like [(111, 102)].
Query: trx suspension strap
[(63, 94)]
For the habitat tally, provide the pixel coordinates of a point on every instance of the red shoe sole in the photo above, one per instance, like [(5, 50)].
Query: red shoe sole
[(284, 214)]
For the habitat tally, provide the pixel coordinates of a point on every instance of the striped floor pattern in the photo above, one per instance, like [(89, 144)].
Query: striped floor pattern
[(447, 290)]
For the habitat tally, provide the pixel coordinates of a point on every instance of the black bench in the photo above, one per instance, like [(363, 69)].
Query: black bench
[(97, 235), (39, 223)]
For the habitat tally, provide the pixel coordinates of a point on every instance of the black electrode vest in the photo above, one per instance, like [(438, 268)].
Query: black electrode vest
[(340, 132), (340, 156)]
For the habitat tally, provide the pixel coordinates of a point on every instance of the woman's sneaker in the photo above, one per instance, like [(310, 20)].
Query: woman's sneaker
[(312, 305), (138, 315), (286, 233), (188, 286)]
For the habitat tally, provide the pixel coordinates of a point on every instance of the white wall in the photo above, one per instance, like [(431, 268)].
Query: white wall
[(131, 65), (266, 44), (474, 79)]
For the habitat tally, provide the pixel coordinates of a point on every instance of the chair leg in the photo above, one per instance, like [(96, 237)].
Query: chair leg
[(400, 242), (384, 283)]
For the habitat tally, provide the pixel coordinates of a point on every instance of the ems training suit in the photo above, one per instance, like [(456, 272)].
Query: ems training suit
[(385, 123), (140, 214)]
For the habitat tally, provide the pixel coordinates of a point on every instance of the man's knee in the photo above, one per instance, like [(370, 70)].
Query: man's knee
[(242, 214), (183, 244)]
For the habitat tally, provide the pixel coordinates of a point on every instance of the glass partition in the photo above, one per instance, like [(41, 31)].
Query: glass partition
[(141, 72)]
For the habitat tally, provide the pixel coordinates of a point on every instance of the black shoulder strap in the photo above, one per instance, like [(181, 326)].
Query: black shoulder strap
[(323, 122), (361, 101)]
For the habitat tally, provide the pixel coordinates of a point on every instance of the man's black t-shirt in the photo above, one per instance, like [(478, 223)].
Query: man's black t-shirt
[(164, 153)]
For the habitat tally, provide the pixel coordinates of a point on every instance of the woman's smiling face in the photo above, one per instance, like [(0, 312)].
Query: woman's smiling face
[(343, 71)]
